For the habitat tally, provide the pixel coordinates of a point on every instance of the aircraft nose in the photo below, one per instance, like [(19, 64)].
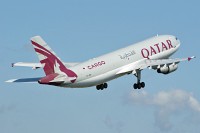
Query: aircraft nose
[(177, 42)]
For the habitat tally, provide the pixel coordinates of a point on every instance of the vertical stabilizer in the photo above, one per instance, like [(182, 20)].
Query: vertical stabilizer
[(47, 57)]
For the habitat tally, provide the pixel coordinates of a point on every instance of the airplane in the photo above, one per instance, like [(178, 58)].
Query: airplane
[(152, 53)]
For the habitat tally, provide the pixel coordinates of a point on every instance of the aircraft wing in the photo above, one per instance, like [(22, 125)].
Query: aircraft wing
[(39, 65), (151, 63)]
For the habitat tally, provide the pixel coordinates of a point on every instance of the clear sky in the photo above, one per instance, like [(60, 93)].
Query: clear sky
[(78, 30)]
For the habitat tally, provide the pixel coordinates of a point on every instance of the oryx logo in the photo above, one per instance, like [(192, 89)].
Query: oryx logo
[(52, 64)]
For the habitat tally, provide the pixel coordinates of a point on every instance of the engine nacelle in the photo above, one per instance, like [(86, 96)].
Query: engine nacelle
[(168, 69)]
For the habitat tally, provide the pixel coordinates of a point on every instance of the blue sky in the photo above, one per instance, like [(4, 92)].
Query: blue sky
[(81, 29)]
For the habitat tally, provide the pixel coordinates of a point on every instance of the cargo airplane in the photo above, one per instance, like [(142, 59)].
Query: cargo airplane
[(152, 53)]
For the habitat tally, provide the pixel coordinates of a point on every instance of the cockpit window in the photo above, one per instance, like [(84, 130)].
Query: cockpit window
[(176, 38)]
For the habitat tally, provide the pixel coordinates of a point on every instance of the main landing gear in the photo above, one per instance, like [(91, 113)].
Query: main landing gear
[(139, 84), (102, 86)]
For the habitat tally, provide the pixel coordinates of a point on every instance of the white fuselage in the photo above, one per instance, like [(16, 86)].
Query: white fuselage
[(106, 67)]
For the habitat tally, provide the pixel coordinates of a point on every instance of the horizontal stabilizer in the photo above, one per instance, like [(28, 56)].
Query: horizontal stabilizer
[(24, 80), (26, 64), (39, 65)]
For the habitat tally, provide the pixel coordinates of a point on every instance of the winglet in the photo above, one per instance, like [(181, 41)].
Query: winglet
[(190, 58)]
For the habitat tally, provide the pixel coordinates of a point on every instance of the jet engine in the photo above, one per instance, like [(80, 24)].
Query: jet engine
[(166, 69)]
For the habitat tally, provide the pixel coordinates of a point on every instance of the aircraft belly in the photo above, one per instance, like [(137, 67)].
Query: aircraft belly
[(96, 80)]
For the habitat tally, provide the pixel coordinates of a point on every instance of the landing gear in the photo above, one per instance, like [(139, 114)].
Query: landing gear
[(139, 84), (102, 86)]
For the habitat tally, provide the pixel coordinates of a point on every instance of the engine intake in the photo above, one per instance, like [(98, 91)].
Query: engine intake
[(168, 69)]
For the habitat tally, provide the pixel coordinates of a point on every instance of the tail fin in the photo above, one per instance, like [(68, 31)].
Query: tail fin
[(51, 63)]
